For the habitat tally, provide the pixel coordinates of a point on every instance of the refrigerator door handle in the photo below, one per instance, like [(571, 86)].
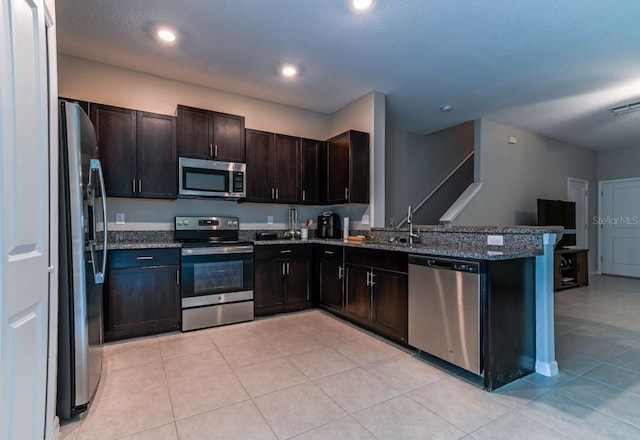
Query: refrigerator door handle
[(99, 275)]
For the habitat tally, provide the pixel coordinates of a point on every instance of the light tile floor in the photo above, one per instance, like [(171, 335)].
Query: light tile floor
[(310, 376)]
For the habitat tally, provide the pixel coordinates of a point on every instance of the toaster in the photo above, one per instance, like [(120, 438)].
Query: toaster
[(328, 225)]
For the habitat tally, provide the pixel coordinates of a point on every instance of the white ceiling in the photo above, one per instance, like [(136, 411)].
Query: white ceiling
[(551, 67)]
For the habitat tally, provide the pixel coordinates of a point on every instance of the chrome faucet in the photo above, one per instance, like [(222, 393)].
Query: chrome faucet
[(410, 222)]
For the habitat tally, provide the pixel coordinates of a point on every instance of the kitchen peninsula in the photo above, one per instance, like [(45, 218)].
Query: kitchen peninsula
[(517, 276)]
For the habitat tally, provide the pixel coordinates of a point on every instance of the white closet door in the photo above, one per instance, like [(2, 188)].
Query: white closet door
[(24, 164), (620, 227)]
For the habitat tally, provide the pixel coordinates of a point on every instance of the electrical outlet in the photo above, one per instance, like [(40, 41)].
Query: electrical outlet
[(269, 219), (365, 219), (495, 240), (119, 218)]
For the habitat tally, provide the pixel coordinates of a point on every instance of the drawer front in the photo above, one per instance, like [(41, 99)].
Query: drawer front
[(277, 251), (329, 252), (389, 260), (143, 257)]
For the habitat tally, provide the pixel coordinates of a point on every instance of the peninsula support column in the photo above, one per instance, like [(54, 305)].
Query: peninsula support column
[(546, 363)]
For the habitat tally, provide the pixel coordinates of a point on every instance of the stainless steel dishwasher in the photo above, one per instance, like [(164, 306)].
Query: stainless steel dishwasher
[(444, 309)]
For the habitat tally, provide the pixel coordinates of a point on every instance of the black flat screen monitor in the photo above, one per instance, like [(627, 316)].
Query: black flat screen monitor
[(558, 213)]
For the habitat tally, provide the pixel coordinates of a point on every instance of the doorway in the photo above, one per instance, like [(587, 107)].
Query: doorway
[(578, 192)]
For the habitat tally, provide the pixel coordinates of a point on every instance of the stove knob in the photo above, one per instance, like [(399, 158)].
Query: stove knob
[(179, 222), (235, 223), (186, 222), (229, 223)]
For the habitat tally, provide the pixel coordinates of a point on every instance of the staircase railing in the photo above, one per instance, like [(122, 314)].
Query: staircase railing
[(434, 190)]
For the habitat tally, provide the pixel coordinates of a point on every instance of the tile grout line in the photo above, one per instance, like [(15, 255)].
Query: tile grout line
[(596, 410), (245, 390), (166, 378)]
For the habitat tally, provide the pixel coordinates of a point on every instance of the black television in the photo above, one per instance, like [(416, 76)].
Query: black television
[(558, 213)]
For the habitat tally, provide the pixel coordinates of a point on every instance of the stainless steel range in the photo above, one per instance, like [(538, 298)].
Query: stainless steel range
[(217, 272)]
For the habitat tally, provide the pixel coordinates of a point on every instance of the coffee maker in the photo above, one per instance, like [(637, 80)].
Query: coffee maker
[(328, 225)]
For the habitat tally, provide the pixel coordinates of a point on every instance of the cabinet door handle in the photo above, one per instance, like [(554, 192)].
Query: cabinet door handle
[(139, 185), (304, 195), (285, 251), (329, 252), (277, 193), (133, 185), (273, 194), (210, 150), (288, 268), (284, 270), (340, 272), (177, 276), (368, 282), (215, 150), (346, 193), (144, 257), (373, 283)]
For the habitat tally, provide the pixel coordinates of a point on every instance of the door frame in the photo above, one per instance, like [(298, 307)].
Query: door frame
[(52, 422), (586, 204), (601, 183)]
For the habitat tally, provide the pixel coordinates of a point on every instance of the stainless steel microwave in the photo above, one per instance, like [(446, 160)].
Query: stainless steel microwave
[(211, 178)]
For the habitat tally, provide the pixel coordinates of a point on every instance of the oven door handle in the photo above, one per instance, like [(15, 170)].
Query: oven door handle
[(218, 250)]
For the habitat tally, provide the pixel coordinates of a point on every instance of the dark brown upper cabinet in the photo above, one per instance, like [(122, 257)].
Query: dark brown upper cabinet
[(310, 174), (259, 149), (137, 150), (346, 175), (157, 156), (273, 170), (205, 134), (116, 137)]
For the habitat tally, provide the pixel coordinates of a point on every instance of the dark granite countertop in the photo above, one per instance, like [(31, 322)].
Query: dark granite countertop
[(473, 253), (120, 245), (459, 250)]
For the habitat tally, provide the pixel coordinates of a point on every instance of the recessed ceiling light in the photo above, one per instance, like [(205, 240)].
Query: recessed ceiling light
[(289, 71), (361, 4), (446, 108), (166, 35)]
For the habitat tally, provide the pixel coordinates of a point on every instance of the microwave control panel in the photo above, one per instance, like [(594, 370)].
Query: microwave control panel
[(238, 182)]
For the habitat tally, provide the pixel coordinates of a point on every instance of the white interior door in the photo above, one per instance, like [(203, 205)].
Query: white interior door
[(24, 164), (578, 192), (620, 227)]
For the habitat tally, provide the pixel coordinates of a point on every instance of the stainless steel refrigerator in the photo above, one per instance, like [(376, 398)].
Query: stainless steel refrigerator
[(82, 260)]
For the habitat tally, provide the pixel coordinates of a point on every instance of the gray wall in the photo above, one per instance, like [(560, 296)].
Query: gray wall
[(146, 214), (415, 163), (619, 164), (514, 176)]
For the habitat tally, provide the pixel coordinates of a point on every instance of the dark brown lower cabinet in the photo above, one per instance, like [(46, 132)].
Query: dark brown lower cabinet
[(142, 293), (508, 321), (376, 291), (268, 285), (390, 303), (357, 302), (331, 277), (282, 276)]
